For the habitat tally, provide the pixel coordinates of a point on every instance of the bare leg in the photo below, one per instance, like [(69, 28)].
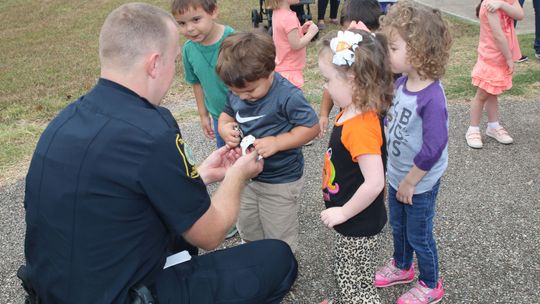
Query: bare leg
[(492, 108), (494, 129), (477, 106)]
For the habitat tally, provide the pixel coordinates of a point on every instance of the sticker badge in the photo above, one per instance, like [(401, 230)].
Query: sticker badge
[(187, 157)]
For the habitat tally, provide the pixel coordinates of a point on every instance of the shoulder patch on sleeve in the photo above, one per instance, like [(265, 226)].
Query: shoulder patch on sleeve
[(187, 157)]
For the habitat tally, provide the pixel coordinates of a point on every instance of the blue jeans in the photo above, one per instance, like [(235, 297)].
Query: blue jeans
[(219, 141), (412, 228), (536, 6)]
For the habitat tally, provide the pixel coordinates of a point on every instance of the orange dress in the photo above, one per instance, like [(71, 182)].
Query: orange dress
[(491, 72)]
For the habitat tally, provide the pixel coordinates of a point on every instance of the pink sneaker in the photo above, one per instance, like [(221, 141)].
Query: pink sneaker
[(389, 275), (421, 294), (500, 134), (474, 139)]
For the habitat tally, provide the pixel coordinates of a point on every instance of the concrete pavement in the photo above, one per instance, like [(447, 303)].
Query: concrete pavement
[(466, 9), (487, 224)]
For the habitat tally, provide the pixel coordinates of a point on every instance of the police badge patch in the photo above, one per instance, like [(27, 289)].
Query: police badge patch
[(187, 157)]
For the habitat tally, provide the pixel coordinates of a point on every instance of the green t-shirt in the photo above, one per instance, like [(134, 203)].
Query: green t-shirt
[(200, 67)]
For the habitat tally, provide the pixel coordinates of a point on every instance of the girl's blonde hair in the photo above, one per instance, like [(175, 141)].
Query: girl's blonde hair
[(426, 33), (273, 4), (373, 88)]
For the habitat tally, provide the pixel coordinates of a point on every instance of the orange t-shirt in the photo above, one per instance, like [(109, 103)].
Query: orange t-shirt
[(359, 135)]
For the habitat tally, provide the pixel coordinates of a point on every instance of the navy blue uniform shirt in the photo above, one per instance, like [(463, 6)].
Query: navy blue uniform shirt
[(110, 182)]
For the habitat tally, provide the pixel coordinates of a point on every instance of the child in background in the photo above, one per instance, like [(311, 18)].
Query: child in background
[(321, 11), (264, 104), (357, 74), (498, 49), (417, 141), (196, 22), (385, 5), (290, 39), (522, 58), (365, 11)]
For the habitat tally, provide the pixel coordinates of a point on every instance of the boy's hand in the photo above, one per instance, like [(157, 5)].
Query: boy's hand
[(333, 216), (206, 124), (266, 146), (405, 192), (323, 125), (231, 134)]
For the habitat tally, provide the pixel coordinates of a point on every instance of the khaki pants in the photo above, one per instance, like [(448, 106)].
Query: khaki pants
[(270, 211)]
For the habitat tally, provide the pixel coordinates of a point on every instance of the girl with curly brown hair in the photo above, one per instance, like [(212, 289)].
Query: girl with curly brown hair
[(417, 141)]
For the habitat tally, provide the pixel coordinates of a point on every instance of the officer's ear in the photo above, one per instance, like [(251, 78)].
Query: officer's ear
[(152, 63)]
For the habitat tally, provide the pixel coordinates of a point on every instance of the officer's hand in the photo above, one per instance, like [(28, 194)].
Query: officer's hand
[(249, 165), (215, 166)]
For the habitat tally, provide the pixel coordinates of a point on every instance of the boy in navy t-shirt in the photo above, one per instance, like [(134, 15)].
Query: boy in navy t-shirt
[(265, 105)]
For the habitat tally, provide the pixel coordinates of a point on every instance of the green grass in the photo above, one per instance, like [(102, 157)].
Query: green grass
[(457, 80), (49, 57)]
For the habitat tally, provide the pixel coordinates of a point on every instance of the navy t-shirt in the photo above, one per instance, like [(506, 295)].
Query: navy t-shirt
[(110, 182), (283, 108)]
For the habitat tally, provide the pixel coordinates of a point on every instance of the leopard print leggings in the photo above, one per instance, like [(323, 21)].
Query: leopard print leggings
[(354, 269)]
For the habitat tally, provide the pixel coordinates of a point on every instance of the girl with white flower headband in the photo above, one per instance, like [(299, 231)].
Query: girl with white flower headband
[(356, 69)]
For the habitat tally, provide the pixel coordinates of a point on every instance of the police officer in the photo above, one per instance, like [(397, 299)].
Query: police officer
[(112, 180)]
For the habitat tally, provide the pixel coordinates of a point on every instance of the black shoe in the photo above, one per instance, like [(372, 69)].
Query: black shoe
[(522, 59)]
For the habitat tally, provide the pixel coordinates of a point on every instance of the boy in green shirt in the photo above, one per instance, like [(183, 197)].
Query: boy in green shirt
[(197, 22)]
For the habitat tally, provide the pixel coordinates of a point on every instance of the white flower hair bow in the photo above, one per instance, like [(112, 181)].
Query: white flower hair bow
[(343, 47)]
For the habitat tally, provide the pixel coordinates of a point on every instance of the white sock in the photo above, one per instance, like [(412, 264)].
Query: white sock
[(493, 125), (473, 129)]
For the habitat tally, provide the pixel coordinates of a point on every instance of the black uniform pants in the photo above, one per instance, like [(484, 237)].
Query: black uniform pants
[(256, 272)]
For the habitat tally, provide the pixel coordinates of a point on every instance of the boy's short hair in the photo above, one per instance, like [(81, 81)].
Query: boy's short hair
[(246, 57), (367, 11), (181, 6), (426, 33)]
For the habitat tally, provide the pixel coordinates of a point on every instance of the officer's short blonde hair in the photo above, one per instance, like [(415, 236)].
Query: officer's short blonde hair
[(130, 32)]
